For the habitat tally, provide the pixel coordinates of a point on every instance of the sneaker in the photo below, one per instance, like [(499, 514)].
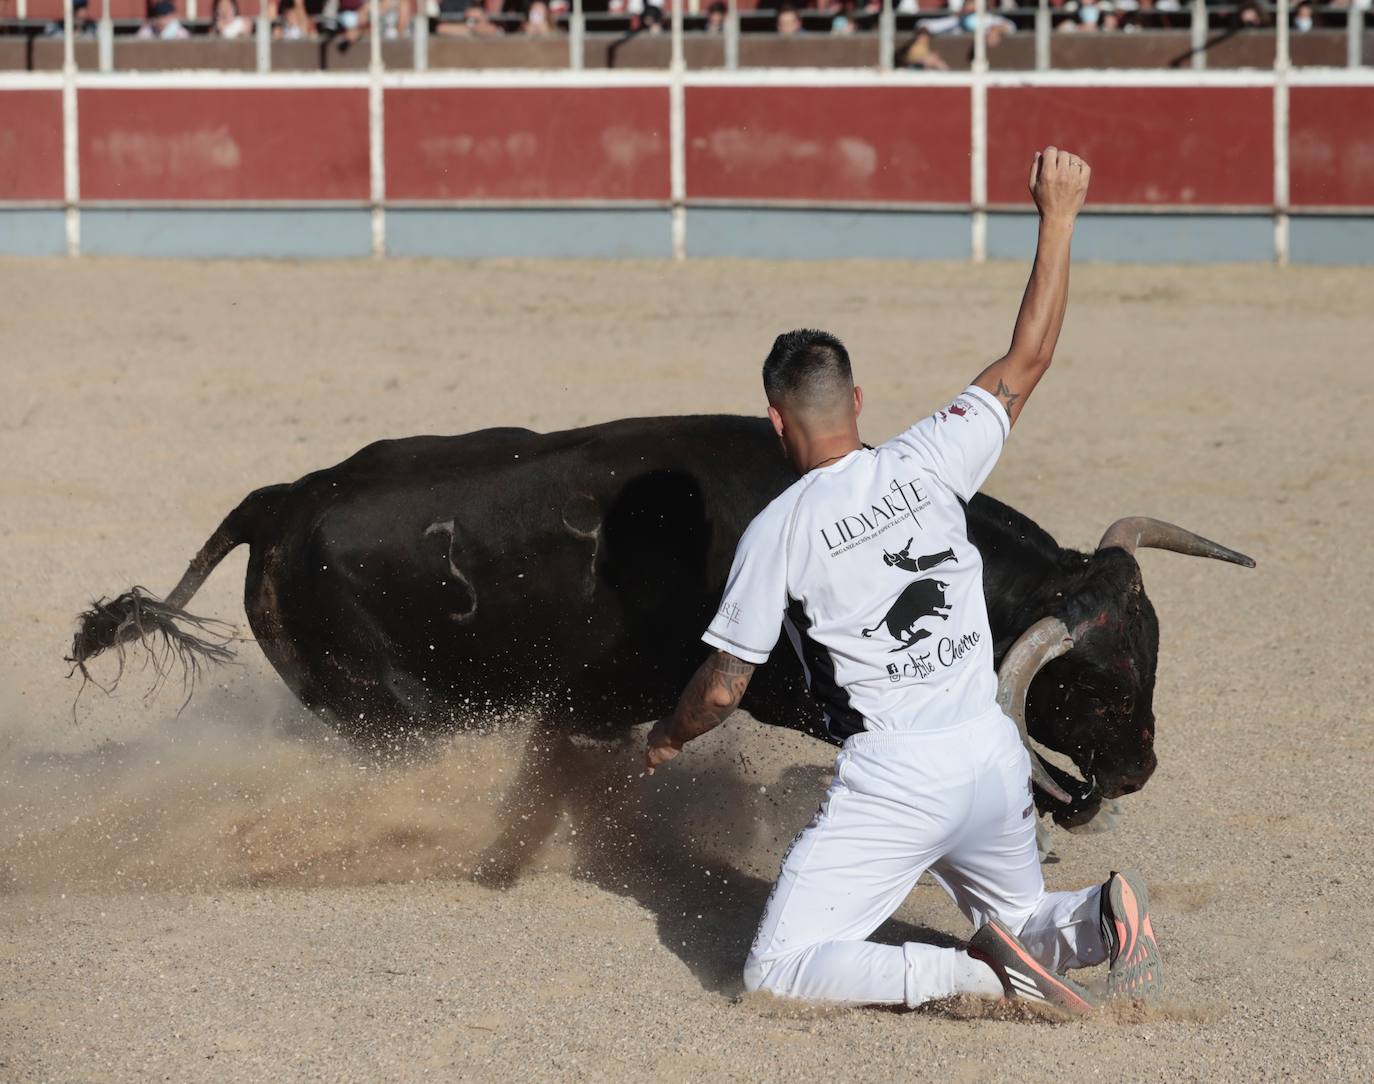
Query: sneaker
[(1022, 976), (1135, 968)]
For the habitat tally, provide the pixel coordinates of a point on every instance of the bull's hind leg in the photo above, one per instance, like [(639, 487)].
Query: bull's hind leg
[(529, 808)]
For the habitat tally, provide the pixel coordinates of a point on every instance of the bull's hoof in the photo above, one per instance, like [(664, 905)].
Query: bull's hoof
[(1107, 817)]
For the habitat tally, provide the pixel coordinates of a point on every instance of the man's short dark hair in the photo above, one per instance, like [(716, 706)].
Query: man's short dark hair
[(806, 366)]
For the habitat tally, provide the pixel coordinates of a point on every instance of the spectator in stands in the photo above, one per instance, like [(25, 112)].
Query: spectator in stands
[(291, 22), (716, 15), (789, 21), (475, 21), (83, 22), (395, 16), (1127, 15), (842, 15), (967, 20), (918, 55), (1090, 15), (538, 23), (997, 24), (1250, 16), (1302, 17), (228, 22), (163, 24), (651, 20), (349, 16), (1157, 14)]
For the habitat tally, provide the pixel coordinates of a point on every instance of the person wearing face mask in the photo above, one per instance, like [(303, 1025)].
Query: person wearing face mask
[(1089, 15), (1302, 17), (966, 22)]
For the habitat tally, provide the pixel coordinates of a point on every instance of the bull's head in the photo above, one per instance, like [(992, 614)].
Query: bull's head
[(1093, 699)]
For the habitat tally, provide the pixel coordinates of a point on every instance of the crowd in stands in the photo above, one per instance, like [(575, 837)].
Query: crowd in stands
[(300, 19)]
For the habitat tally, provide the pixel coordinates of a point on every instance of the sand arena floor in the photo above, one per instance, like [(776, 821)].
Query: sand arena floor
[(231, 896)]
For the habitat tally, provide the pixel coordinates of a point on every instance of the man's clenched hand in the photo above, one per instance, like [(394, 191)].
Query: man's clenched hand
[(1059, 184), (713, 693), (662, 746)]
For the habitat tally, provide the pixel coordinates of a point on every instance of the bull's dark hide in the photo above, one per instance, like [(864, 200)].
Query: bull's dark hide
[(439, 581)]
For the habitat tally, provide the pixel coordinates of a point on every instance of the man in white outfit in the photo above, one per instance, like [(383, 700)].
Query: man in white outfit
[(866, 562)]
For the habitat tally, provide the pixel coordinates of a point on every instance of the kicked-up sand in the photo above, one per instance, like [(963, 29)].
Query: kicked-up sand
[(231, 893)]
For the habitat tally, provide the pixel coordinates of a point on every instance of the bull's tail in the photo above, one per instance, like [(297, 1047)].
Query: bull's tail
[(175, 639), (870, 632)]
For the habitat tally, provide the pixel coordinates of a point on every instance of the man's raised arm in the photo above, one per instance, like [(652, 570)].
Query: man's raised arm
[(1058, 183), (713, 693)]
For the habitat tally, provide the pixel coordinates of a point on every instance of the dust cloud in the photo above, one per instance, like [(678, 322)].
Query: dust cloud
[(248, 789)]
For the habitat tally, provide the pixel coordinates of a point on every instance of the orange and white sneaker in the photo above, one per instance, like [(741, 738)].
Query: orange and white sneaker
[(1022, 975), (1134, 965)]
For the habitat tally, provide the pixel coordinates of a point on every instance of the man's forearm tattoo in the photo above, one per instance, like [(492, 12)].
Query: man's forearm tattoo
[(1004, 392), (713, 693)]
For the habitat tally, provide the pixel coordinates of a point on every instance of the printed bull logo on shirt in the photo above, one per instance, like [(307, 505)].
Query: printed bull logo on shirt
[(809, 565), (921, 599)]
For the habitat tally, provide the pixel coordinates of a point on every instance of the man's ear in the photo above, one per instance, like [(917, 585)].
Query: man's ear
[(858, 400), (776, 419)]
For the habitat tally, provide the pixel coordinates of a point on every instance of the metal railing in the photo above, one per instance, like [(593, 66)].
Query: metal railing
[(969, 33), (1276, 79)]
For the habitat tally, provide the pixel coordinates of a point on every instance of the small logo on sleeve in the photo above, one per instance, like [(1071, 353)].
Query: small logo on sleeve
[(731, 612)]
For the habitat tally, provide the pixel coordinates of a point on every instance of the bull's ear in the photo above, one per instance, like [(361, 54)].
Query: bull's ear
[(1135, 589)]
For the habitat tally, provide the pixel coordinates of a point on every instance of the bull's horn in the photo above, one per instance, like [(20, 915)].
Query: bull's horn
[(1045, 640), (1141, 531)]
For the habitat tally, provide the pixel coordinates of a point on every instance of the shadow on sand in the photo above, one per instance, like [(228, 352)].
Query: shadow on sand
[(681, 850), (246, 791)]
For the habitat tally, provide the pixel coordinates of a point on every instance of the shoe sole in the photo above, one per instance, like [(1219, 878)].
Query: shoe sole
[(1137, 970), (1031, 981)]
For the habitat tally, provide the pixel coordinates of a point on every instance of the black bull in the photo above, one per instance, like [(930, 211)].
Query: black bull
[(436, 581)]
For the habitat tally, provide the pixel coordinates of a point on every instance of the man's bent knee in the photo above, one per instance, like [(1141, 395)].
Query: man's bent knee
[(756, 973), (778, 975)]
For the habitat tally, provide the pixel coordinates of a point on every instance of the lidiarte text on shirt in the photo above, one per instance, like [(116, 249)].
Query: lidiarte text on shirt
[(902, 502)]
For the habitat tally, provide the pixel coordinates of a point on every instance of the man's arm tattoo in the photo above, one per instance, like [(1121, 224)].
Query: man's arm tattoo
[(713, 693), (1004, 392)]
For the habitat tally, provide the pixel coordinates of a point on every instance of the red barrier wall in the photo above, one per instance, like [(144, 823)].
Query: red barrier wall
[(1148, 146), (1331, 146), (554, 143), (31, 145), (884, 144), (201, 144)]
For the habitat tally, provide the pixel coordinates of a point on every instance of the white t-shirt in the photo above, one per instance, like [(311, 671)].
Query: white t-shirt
[(867, 562)]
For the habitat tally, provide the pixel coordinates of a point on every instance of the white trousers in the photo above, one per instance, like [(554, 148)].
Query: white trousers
[(956, 802)]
